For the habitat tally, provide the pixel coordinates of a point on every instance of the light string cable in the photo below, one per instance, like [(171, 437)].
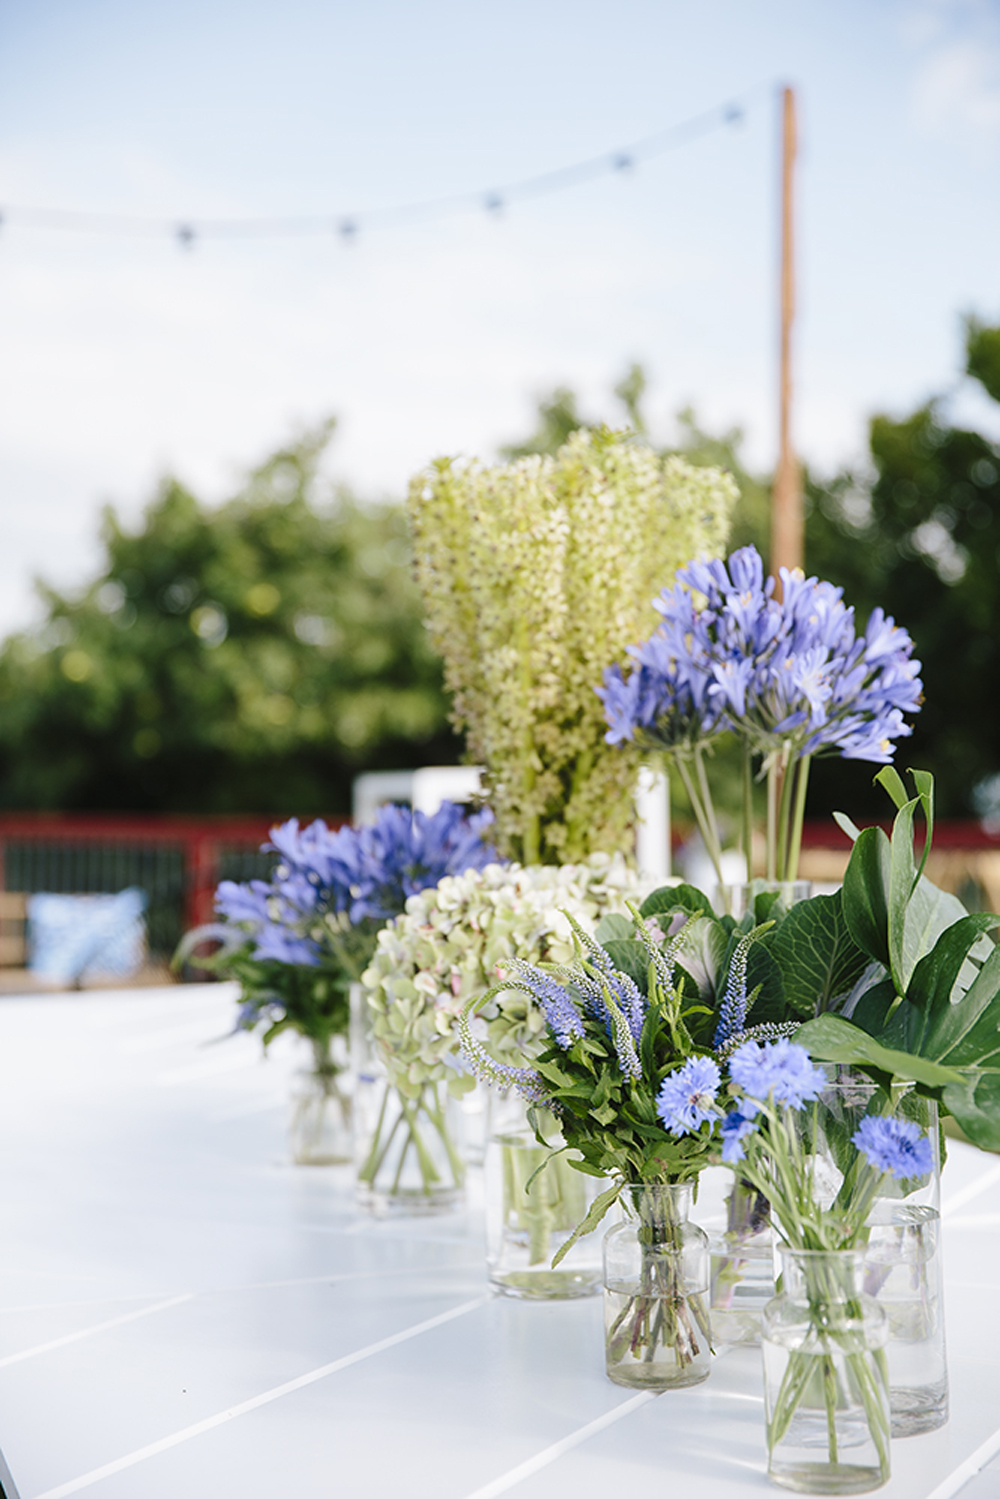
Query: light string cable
[(187, 231)]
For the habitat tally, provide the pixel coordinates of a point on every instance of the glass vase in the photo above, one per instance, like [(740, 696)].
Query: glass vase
[(319, 1120), (656, 1323), (903, 1247), (407, 1141), (534, 1201), (736, 900), (826, 1389), (742, 1267)]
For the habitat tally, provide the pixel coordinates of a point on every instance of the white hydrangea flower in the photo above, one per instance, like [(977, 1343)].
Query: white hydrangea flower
[(449, 944)]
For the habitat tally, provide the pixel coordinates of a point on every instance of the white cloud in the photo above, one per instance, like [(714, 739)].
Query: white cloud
[(956, 90)]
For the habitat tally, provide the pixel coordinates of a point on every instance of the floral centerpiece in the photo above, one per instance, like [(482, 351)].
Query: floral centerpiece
[(298, 941), (535, 575), (449, 946), (825, 1367), (631, 1067), (792, 679)]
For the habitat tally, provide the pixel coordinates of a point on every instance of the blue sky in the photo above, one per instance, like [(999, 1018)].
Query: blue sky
[(123, 357)]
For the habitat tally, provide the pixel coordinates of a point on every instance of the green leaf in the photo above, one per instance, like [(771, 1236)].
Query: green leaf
[(703, 955), (845, 825), (975, 1103), (967, 1032), (866, 894), (818, 958), (631, 958), (936, 975), (874, 1005), (595, 1213), (670, 898), (830, 1038), (614, 927)]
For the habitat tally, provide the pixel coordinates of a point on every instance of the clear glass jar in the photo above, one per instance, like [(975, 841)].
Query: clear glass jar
[(903, 1249), (656, 1326), (319, 1120), (736, 900), (408, 1146), (534, 1201), (742, 1266), (826, 1390)]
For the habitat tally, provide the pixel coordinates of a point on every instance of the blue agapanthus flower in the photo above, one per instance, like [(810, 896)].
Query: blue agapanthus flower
[(779, 1070), (773, 671), (895, 1145), (363, 875), (687, 1095)]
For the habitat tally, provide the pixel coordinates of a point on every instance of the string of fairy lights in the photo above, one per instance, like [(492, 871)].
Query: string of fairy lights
[(189, 231)]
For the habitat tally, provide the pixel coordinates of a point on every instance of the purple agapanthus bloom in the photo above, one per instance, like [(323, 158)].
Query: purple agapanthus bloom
[(773, 671), (895, 1145), (779, 1070), (362, 874), (687, 1095)]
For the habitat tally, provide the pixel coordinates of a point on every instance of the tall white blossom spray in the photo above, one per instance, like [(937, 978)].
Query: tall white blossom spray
[(535, 575)]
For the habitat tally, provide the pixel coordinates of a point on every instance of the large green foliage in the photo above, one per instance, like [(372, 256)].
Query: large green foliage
[(250, 657)]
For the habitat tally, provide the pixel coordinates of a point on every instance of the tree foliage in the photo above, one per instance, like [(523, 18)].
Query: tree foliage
[(250, 657)]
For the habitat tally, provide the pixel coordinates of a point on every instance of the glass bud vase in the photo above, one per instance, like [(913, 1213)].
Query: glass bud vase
[(534, 1201), (742, 1266), (319, 1120), (903, 1254), (826, 1391), (407, 1143), (656, 1327), (736, 900)]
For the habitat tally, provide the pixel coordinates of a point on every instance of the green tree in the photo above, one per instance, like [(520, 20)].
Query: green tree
[(250, 657)]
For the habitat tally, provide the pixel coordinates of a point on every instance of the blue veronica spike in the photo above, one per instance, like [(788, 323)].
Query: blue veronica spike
[(523, 1080), (733, 1009), (556, 1003)]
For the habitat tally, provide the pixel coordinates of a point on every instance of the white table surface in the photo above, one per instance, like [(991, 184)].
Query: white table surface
[(184, 1313)]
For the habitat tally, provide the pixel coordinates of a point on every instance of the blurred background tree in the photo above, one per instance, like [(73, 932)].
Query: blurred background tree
[(257, 655), (252, 657)]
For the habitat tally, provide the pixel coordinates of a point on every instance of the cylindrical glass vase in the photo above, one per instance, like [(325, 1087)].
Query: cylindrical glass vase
[(737, 900), (319, 1120), (903, 1252), (656, 1324), (742, 1267), (407, 1143), (534, 1201), (826, 1390)]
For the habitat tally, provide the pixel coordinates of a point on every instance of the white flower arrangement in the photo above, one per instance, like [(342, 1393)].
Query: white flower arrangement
[(449, 946)]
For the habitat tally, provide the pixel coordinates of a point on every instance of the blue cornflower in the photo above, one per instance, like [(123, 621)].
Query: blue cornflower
[(737, 1124), (779, 1070), (895, 1145), (687, 1095)]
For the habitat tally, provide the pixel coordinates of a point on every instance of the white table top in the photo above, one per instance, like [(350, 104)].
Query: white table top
[(184, 1313)]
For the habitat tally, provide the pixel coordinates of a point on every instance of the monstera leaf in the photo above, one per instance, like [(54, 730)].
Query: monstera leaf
[(934, 1016), (893, 913), (940, 1035)]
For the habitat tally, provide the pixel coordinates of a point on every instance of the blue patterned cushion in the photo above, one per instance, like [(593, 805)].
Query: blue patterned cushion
[(74, 937)]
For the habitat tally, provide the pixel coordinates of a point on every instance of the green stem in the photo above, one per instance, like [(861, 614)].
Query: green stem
[(795, 846), (376, 1154), (747, 836), (783, 814), (772, 820)]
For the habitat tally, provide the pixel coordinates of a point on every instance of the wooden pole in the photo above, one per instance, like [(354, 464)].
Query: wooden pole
[(787, 521)]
